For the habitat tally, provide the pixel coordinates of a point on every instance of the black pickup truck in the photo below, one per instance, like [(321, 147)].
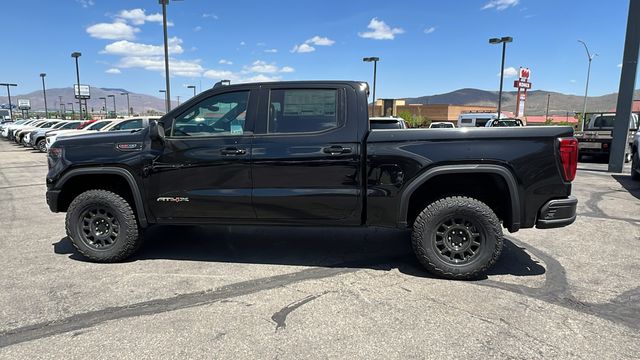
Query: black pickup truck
[(303, 154)]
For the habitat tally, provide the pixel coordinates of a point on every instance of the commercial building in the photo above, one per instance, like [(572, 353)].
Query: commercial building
[(433, 112)]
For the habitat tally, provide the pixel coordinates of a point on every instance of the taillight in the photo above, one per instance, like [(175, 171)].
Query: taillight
[(569, 157), (55, 152)]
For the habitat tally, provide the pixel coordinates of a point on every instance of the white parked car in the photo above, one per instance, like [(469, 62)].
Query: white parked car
[(477, 119), (441, 125)]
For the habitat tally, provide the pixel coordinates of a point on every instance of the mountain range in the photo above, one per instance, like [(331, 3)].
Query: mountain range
[(536, 100)]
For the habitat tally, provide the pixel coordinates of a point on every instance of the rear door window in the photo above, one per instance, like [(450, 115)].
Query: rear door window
[(302, 110)]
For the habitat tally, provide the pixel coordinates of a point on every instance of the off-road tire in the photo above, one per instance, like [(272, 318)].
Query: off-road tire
[(424, 237), (128, 239), (635, 166)]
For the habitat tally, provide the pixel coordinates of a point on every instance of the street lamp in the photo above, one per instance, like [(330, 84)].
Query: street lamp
[(494, 41), (106, 113), (115, 111), (165, 99), (128, 104), (166, 53), (374, 60), (73, 111), (61, 106), (586, 87), (9, 95), (192, 87), (178, 100), (76, 55), (44, 94)]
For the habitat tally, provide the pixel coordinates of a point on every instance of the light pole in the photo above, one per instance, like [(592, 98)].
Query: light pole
[(586, 87), (503, 40), (73, 111), (166, 53), (165, 99), (106, 112), (547, 112), (9, 96), (44, 94), (63, 109), (128, 104), (374, 60), (178, 100), (115, 111), (192, 87), (61, 106), (76, 55)]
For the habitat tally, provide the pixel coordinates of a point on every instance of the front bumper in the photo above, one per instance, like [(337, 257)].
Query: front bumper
[(557, 213), (52, 199)]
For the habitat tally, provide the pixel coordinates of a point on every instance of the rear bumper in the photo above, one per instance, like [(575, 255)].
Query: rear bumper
[(557, 213), (52, 199)]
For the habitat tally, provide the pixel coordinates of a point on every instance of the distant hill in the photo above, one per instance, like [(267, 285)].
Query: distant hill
[(536, 100), (139, 102)]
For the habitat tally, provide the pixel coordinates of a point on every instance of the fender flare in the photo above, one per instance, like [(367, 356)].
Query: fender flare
[(508, 177), (133, 185)]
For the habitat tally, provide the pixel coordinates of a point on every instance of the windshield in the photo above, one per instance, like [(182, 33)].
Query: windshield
[(98, 125), (438, 126), (71, 125), (604, 121), (58, 125)]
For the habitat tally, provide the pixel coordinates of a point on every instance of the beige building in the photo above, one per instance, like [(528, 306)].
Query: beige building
[(433, 112)]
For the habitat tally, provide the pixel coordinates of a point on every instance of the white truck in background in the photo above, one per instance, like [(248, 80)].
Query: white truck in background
[(596, 139)]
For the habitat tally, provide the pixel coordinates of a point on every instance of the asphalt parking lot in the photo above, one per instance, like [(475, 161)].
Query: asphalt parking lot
[(247, 292)]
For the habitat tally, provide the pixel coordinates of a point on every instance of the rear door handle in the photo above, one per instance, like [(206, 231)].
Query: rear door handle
[(233, 151), (336, 149)]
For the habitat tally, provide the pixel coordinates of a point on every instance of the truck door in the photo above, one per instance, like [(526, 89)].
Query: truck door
[(204, 170), (306, 156)]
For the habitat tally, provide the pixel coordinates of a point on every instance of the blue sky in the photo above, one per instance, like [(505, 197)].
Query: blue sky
[(426, 47)]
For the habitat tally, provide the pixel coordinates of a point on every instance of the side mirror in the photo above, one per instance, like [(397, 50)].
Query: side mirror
[(156, 130)]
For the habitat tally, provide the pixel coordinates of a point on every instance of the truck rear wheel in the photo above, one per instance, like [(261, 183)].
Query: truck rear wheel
[(457, 238), (102, 226)]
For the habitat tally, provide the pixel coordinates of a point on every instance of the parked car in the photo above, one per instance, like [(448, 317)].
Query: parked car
[(37, 138), (9, 130), (306, 156), (507, 122), (477, 119), (18, 134), (43, 127), (596, 139), (388, 122), (441, 125), (129, 124), (4, 128)]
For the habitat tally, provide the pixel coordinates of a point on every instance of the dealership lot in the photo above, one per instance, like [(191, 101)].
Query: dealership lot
[(257, 292)]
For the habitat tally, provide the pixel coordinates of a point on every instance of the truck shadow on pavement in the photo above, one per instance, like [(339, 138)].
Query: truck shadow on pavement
[(632, 186), (374, 248)]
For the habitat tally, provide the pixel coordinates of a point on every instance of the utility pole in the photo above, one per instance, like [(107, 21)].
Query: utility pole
[(178, 100), (76, 55), (61, 107), (166, 53), (128, 104), (625, 93)]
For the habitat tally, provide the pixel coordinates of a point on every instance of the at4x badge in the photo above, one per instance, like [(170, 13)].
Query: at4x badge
[(175, 199)]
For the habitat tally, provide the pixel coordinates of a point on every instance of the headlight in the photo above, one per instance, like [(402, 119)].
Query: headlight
[(55, 153)]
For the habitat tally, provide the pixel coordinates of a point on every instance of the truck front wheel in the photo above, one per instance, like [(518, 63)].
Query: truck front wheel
[(102, 226), (457, 238)]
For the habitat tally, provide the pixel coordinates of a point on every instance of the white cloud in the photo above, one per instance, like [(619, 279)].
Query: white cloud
[(220, 75), (113, 71), (272, 51), (85, 3), (572, 81), (380, 31), (260, 66), (509, 72), (306, 47), (303, 48), (187, 68), (260, 78), (429, 30), (139, 16), (128, 48), (320, 41), (500, 4), (112, 31), (197, 28), (242, 43), (210, 15), (225, 62)]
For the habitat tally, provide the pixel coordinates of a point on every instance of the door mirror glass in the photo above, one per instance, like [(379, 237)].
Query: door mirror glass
[(156, 130)]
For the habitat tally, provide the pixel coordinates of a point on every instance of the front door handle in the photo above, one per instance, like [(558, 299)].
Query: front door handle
[(233, 151), (336, 149)]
